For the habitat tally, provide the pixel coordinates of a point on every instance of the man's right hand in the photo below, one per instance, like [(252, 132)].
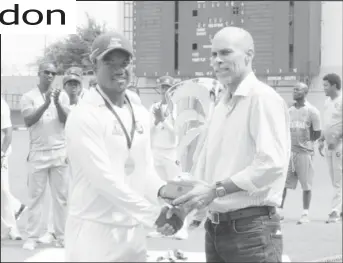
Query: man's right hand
[(170, 220), (321, 147), (48, 97)]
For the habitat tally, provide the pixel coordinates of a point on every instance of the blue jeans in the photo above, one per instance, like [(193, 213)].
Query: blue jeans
[(252, 239)]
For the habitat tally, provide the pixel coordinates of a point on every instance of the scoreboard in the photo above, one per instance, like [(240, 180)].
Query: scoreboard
[(174, 37), (153, 37)]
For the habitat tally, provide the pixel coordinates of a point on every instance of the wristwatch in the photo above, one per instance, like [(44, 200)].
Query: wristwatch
[(220, 190)]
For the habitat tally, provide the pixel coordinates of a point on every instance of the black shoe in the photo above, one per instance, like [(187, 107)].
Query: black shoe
[(19, 212)]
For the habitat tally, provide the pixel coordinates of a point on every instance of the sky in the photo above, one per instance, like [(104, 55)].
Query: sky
[(17, 51)]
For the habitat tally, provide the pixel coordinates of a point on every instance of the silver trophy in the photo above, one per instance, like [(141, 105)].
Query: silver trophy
[(193, 102)]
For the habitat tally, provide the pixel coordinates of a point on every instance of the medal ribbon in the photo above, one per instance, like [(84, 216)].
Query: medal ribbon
[(129, 138)]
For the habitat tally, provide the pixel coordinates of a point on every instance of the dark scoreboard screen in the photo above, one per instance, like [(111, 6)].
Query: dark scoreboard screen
[(175, 39), (153, 37), (266, 21)]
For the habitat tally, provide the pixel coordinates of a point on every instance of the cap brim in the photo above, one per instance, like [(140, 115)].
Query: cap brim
[(111, 49), (72, 77)]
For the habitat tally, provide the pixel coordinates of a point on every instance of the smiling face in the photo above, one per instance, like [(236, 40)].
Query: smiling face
[(232, 54), (46, 75), (113, 71)]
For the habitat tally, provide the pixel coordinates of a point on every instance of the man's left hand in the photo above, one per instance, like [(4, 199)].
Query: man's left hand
[(198, 198), (56, 95)]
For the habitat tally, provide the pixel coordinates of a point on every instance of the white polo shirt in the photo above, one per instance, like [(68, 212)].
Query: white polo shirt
[(97, 151), (332, 119), (48, 132)]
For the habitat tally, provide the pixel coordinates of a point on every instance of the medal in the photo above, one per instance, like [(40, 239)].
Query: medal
[(129, 165)]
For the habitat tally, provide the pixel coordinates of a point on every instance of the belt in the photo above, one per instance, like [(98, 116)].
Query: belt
[(216, 218)]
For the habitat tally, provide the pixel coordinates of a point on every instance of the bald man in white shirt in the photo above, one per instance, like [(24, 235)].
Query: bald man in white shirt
[(246, 159)]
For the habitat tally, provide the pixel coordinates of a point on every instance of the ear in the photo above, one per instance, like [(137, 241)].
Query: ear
[(250, 56)]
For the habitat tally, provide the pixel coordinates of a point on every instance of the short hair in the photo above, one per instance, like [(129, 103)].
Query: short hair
[(42, 66), (333, 79)]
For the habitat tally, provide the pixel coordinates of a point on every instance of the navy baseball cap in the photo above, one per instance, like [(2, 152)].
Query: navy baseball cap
[(73, 73), (107, 42), (166, 80)]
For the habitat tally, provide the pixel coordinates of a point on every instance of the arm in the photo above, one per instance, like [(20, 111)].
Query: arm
[(154, 184), (269, 128), (62, 103), (85, 140), (6, 127), (32, 116), (316, 125), (6, 140)]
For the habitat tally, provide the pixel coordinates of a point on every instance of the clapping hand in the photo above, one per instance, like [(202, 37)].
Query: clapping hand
[(170, 220), (56, 95), (48, 96)]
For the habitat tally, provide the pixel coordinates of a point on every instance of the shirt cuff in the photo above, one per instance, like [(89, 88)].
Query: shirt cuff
[(243, 181)]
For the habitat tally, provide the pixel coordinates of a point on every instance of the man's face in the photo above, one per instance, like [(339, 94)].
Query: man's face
[(228, 60), (47, 75), (328, 88), (113, 71), (73, 88), (163, 89), (299, 92)]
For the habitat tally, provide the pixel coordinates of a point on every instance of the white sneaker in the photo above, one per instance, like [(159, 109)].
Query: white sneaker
[(14, 234), (334, 217), (47, 238), (30, 244), (304, 219)]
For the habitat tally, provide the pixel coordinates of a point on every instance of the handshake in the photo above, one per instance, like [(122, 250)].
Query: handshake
[(170, 220), (184, 196)]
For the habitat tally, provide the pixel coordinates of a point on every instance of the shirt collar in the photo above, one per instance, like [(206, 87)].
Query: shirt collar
[(94, 98), (246, 85)]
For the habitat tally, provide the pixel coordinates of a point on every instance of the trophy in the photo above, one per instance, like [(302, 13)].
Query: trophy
[(193, 101)]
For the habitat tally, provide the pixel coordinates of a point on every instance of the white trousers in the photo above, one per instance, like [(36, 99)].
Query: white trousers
[(9, 204), (89, 241), (334, 161), (43, 167)]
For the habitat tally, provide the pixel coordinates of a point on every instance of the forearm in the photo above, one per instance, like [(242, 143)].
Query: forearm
[(62, 113), (6, 140), (230, 186), (35, 116)]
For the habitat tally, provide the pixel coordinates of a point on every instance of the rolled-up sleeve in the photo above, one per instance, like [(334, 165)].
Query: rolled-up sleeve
[(269, 129), (85, 140)]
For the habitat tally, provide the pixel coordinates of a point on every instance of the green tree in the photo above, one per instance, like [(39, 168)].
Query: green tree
[(74, 50)]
